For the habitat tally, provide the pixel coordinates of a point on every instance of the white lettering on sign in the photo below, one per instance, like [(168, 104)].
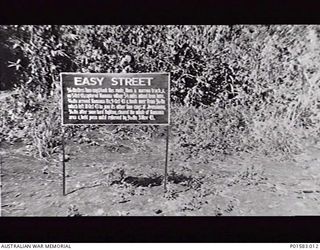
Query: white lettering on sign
[(115, 98), (91, 81), (122, 81)]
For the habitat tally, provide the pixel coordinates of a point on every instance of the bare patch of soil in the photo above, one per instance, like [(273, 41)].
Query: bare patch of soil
[(123, 181)]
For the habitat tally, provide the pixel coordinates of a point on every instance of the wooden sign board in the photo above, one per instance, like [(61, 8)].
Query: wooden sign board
[(122, 98)]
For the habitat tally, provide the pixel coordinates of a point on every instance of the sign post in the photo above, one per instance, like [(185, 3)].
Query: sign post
[(115, 99), (63, 164), (166, 163)]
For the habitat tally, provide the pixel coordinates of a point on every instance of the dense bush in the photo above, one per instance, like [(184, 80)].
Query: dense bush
[(233, 88)]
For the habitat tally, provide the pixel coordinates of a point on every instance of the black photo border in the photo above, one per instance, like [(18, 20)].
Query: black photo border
[(159, 229)]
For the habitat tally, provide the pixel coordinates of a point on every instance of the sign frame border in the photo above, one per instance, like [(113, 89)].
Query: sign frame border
[(116, 124)]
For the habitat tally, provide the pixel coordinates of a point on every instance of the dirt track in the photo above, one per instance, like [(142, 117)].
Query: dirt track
[(104, 181)]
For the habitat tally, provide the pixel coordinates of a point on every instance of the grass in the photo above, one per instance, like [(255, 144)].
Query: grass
[(202, 132), (245, 89), (275, 126)]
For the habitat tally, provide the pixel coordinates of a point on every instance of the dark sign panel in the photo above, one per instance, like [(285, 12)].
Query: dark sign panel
[(124, 98)]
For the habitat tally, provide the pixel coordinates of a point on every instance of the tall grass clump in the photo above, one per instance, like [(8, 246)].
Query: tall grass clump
[(36, 121)]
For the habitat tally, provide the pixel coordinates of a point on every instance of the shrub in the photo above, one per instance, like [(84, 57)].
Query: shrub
[(233, 88)]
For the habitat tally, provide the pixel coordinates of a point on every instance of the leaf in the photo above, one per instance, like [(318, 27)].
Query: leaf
[(15, 64), (15, 45)]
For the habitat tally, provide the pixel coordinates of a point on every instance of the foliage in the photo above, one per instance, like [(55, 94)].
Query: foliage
[(233, 88)]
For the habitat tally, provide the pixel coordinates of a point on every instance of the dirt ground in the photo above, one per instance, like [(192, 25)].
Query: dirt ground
[(104, 180)]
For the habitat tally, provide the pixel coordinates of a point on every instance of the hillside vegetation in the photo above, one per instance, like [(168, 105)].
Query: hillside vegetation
[(234, 88)]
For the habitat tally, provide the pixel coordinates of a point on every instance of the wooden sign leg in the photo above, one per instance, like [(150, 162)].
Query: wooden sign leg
[(63, 165), (166, 162)]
